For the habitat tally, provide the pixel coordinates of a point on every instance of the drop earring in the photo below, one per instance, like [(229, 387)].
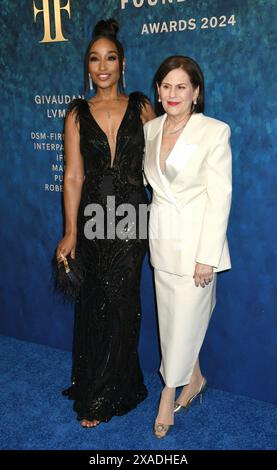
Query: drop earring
[(159, 100), (90, 82), (123, 79)]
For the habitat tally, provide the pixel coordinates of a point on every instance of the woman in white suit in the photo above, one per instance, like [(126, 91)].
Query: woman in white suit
[(188, 165)]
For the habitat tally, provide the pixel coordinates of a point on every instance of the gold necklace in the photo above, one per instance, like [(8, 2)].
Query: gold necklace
[(174, 131)]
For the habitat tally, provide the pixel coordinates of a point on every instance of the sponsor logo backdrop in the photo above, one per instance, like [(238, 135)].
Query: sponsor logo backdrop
[(43, 44)]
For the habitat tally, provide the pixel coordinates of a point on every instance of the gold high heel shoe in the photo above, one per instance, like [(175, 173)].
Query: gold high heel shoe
[(161, 430), (178, 407)]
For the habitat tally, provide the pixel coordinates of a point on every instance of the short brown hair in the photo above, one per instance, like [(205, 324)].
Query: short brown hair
[(191, 68)]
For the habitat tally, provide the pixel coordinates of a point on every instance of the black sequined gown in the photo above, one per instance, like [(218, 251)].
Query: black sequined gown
[(107, 379)]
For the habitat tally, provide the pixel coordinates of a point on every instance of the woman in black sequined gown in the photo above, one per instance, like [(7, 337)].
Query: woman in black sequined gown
[(104, 145)]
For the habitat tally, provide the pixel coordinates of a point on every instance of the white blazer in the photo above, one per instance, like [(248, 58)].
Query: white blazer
[(191, 204)]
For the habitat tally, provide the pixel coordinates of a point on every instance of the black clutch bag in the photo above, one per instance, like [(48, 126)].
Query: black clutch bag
[(70, 275)]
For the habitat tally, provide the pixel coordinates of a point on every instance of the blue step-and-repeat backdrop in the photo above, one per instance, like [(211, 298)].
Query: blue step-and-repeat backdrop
[(43, 44)]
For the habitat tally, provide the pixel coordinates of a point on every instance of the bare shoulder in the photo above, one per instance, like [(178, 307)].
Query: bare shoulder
[(75, 110), (143, 104), (72, 121), (147, 112)]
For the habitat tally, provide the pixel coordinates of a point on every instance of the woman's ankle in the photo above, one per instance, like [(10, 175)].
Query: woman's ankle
[(166, 406)]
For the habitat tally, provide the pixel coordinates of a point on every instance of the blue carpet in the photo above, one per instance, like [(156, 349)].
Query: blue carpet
[(34, 414)]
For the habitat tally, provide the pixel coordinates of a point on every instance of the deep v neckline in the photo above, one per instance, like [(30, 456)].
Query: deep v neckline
[(159, 147), (112, 160)]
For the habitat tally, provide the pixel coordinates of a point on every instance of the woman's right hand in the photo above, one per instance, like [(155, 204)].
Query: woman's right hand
[(66, 246)]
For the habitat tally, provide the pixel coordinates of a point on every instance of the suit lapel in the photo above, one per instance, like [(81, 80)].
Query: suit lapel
[(183, 150), (182, 153), (157, 145)]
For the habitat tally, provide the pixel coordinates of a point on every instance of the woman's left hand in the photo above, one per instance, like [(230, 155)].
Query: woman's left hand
[(203, 274)]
